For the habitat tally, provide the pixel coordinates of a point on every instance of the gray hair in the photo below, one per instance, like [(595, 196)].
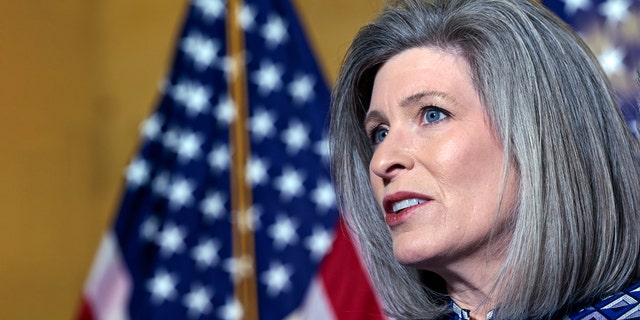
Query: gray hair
[(577, 228)]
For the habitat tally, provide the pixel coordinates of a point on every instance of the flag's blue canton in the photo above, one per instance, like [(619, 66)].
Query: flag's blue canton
[(612, 29), (174, 225)]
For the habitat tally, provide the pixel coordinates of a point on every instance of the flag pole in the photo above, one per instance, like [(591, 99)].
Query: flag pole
[(243, 238)]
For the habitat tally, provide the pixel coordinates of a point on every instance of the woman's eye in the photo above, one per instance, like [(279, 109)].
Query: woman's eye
[(434, 115), (378, 135)]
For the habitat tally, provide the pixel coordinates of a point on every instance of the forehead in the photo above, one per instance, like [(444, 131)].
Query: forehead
[(415, 71)]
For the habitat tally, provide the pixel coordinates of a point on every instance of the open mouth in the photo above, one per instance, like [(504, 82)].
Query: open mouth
[(407, 203)]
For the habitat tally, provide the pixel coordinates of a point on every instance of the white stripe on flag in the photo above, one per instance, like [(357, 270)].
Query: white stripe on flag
[(316, 305), (109, 285)]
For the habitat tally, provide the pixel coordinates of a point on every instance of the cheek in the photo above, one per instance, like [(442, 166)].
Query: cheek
[(376, 185), (471, 167)]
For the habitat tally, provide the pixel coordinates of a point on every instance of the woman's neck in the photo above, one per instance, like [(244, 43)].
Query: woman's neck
[(474, 289)]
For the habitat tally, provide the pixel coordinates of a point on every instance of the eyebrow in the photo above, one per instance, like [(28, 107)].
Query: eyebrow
[(416, 97), (406, 102), (373, 116)]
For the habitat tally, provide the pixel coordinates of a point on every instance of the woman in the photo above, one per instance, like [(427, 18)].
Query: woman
[(482, 162)]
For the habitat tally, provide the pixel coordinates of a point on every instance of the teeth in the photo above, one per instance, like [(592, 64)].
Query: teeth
[(406, 204)]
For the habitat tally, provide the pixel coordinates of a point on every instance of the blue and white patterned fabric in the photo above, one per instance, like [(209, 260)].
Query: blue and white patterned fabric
[(622, 305)]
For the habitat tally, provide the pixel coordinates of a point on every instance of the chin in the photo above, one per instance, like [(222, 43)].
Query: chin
[(412, 255)]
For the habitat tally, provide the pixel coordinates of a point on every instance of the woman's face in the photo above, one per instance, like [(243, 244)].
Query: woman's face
[(437, 165)]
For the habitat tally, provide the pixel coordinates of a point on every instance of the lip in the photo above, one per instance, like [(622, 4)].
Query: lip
[(394, 219)]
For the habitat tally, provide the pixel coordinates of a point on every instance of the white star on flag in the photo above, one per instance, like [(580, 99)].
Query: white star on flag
[(225, 111), (202, 50), (318, 243), (193, 96), (170, 138), (198, 301), (277, 278), (206, 253), (290, 184), (321, 148), (171, 240), (261, 124), (268, 77), (160, 184), (212, 206), (151, 127), (301, 89), (324, 196), (611, 60), (219, 158), (189, 145), (211, 9), (572, 6), (296, 137), (162, 287), (149, 228), (232, 310), (283, 232), (180, 193), (137, 173), (257, 171), (247, 17), (274, 31), (616, 11)]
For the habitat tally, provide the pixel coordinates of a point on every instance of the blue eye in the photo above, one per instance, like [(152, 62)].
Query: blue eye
[(434, 115), (378, 135)]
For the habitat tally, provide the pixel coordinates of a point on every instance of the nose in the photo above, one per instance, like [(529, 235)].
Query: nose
[(390, 158)]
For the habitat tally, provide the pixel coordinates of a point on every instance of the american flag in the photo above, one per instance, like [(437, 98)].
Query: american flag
[(186, 243), (611, 28)]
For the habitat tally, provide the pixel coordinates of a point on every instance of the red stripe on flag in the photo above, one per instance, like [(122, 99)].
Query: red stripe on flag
[(346, 283), (85, 312)]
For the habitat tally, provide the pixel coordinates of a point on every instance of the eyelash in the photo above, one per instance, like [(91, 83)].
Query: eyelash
[(424, 111), (374, 131)]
